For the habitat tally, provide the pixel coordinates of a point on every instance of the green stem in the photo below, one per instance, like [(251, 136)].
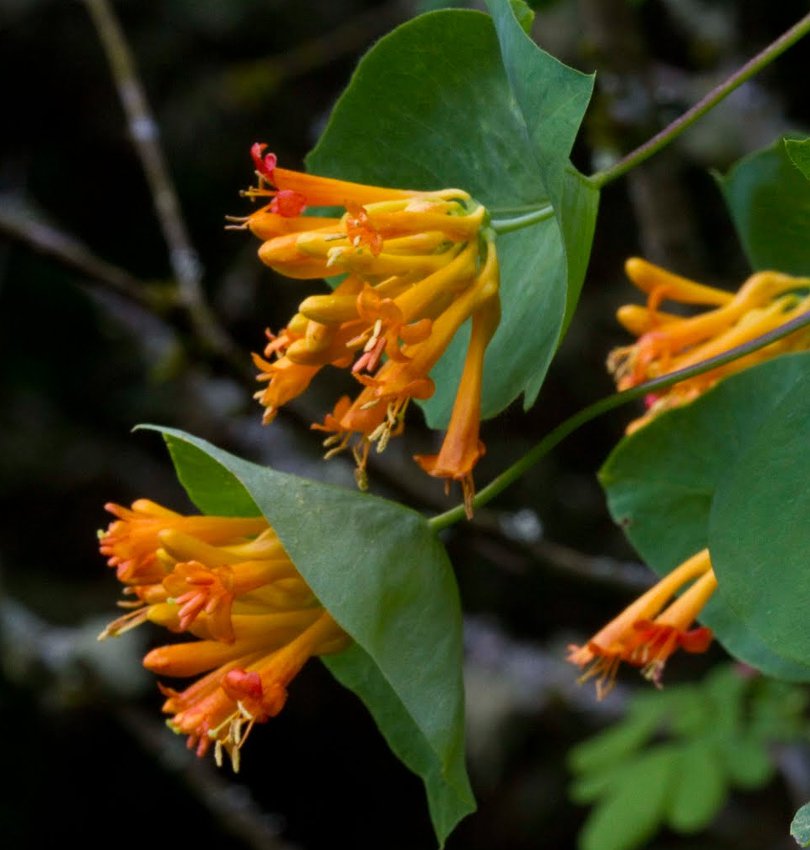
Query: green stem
[(760, 61), (507, 225), (541, 449)]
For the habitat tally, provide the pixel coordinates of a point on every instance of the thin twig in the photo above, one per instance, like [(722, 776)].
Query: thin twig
[(143, 129), (671, 132), (18, 224), (344, 40), (231, 804), (603, 405)]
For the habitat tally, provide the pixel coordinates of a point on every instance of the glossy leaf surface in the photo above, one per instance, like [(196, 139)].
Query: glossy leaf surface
[(769, 200)]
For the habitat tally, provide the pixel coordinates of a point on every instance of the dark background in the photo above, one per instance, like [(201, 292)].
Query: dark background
[(82, 360)]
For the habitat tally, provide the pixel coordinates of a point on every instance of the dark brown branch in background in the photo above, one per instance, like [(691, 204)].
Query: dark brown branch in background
[(20, 225), (32, 650), (231, 804), (183, 258), (345, 40)]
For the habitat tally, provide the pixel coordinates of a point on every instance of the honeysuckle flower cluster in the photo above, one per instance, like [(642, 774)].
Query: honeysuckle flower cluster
[(668, 342), (650, 629), (228, 583), (415, 266)]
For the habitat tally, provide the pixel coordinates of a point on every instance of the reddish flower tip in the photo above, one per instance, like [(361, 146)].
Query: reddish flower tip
[(287, 203), (265, 164)]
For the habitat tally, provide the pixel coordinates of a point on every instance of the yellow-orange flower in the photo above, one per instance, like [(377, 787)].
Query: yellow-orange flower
[(228, 583), (416, 266), (668, 342), (649, 630)]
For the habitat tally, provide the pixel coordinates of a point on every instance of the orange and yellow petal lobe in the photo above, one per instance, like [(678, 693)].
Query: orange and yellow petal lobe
[(461, 448), (416, 265), (667, 342), (652, 628), (229, 586)]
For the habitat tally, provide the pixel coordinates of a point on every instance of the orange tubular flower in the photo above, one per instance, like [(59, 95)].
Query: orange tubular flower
[(668, 342), (227, 582), (649, 630), (417, 265)]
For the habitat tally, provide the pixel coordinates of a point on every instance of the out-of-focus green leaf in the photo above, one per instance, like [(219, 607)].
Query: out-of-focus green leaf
[(635, 805), (698, 787), (384, 577), (589, 787), (693, 763), (800, 826), (759, 532), (449, 99), (799, 152), (616, 744), (747, 763), (660, 483), (769, 201)]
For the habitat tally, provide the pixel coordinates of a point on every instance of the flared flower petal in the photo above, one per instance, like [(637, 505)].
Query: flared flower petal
[(227, 583), (649, 630), (462, 448), (417, 265)]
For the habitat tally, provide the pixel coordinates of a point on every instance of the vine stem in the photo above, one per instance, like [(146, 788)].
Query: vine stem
[(508, 225), (556, 436), (673, 130)]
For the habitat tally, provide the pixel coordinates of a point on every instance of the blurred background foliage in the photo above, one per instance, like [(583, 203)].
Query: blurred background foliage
[(93, 339)]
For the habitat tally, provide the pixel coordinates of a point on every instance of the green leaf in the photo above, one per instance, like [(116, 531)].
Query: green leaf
[(635, 806), (441, 102), (660, 483), (747, 762), (769, 201), (552, 99), (800, 827), (618, 742), (385, 578), (698, 787), (799, 153), (524, 14), (759, 532), (589, 787), (356, 670)]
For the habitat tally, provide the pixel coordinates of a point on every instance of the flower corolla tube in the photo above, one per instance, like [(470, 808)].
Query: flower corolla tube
[(650, 629), (228, 584), (668, 342), (413, 268)]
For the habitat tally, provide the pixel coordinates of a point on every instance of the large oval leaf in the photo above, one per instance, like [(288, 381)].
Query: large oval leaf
[(660, 483), (769, 200), (386, 579), (442, 102), (760, 525)]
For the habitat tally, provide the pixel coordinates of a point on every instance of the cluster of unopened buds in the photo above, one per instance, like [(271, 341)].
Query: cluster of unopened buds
[(228, 583), (414, 267)]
